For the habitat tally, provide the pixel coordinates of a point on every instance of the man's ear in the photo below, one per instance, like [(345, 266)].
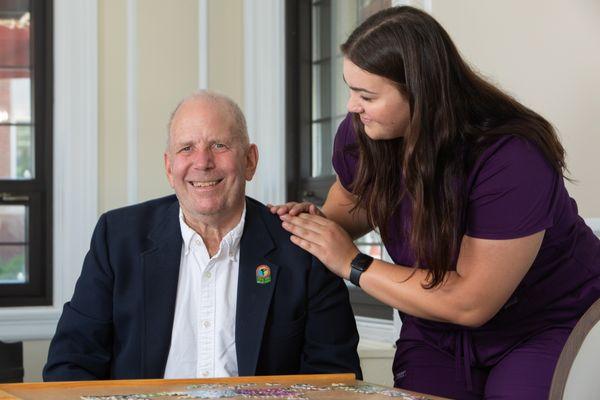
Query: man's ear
[(251, 161), (168, 168)]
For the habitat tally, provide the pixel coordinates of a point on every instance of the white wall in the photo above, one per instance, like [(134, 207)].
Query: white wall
[(148, 61), (547, 54)]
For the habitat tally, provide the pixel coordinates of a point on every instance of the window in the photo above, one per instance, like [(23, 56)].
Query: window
[(315, 105), (25, 152)]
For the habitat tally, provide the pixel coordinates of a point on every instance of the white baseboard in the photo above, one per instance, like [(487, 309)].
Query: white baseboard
[(31, 323)]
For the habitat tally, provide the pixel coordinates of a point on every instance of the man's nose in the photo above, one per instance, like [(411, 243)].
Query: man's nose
[(204, 159)]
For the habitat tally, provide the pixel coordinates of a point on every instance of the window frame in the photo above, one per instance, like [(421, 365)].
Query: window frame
[(300, 185), (36, 193)]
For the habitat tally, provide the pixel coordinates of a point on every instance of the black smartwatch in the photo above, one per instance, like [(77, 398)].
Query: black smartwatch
[(359, 264)]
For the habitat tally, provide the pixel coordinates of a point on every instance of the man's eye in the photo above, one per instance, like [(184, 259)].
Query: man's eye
[(219, 146), (185, 149)]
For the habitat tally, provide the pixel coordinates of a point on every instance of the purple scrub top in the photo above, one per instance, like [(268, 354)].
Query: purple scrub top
[(512, 192)]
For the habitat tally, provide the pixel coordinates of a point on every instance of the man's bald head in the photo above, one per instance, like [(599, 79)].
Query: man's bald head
[(226, 105)]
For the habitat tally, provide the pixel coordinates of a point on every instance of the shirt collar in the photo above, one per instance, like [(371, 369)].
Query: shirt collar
[(230, 242)]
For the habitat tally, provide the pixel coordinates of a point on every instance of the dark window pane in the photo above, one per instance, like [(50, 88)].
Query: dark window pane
[(317, 103), (16, 147), (322, 146), (321, 33), (13, 267), (26, 70), (13, 223), (321, 92), (339, 89), (344, 20), (14, 37), (15, 100)]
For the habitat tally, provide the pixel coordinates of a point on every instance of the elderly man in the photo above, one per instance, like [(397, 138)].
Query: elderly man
[(204, 284)]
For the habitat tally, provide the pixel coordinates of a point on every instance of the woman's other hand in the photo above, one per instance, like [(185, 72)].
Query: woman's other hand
[(294, 209), (324, 239)]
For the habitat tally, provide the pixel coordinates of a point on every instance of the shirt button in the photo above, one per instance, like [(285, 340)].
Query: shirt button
[(205, 373), (207, 275), (198, 242), (206, 324)]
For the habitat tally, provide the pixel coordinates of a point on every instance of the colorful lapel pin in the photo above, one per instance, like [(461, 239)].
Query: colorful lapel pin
[(263, 274)]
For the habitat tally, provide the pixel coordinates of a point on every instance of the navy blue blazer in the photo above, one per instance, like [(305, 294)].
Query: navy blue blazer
[(118, 323)]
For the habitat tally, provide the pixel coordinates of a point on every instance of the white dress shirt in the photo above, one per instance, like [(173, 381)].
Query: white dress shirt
[(203, 336)]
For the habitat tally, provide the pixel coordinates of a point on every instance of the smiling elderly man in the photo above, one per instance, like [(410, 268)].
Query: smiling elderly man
[(205, 283)]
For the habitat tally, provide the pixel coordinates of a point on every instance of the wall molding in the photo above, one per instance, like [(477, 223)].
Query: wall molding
[(132, 102), (202, 44), (264, 95), (75, 163)]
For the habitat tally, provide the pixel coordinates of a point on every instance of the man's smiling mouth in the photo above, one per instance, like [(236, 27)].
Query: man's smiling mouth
[(204, 184)]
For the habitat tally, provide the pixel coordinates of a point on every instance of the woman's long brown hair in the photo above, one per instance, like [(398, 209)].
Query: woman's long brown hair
[(454, 115)]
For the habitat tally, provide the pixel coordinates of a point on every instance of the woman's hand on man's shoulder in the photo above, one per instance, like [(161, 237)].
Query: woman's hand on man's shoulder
[(295, 208)]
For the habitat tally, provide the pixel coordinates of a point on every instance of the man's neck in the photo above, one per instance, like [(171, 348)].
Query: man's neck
[(212, 229)]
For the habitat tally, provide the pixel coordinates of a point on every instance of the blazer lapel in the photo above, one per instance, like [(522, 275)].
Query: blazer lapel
[(253, 298), (161, 273)]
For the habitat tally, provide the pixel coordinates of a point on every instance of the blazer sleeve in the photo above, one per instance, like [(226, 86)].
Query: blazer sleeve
[(331, 337), (82, 345)]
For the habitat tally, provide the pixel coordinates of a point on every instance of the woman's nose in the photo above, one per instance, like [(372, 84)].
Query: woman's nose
[(353, 105)]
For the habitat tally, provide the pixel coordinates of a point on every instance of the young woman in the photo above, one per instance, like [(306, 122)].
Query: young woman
[(492, 264)]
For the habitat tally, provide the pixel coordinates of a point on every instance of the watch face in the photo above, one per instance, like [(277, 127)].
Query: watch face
[(362, 261)]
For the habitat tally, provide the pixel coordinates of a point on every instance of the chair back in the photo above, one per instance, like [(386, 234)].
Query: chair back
[(577, 373)]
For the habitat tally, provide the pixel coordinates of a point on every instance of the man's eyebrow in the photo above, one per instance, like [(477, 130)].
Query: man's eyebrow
[(225, 140), (183, 140), (357, 89), (183, 143)]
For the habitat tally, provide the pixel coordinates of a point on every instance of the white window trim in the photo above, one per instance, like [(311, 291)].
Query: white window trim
[(75, 177), (264, 95)]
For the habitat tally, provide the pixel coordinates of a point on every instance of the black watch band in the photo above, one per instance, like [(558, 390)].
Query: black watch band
[(359, 264)]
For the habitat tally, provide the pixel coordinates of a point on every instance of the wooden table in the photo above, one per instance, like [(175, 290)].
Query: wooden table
[(333, 386)]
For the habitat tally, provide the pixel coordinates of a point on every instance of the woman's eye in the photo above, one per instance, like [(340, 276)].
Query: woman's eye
[(366, 98)]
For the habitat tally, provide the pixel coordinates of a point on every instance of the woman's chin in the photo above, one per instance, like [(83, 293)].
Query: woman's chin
[(377, 133)]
